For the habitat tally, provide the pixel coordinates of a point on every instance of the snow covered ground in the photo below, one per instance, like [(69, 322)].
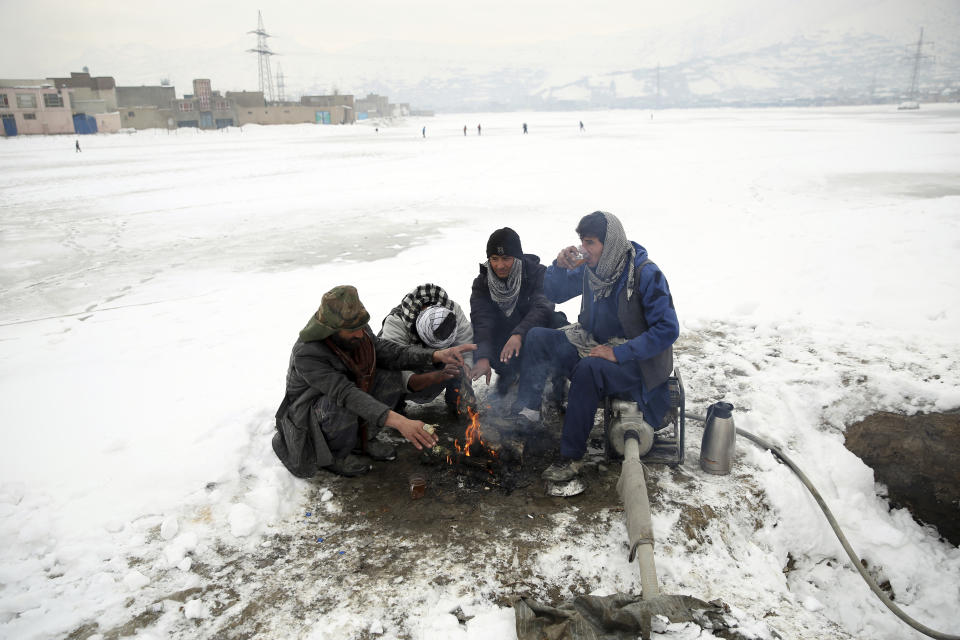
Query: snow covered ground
[(151, 287)]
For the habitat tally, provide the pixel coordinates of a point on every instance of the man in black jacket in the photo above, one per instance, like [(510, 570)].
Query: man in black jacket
[(506, 302), (339, 392)]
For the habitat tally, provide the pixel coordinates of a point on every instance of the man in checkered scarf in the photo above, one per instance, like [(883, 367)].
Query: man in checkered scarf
[(427, 317)]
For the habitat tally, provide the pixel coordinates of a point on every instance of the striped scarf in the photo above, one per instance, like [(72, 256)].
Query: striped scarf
[(618, 252), (505, 293)]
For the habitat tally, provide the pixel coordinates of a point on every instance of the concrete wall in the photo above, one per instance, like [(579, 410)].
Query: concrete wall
[(38, 119), (342, 104), (88, 106), (147, 117), (85, 87), (374, 105), (290, 114), (143, 96), (247, 99), (25, 82), (108, 122)]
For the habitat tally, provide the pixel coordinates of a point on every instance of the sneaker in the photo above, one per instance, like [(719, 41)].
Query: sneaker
[(532, 416), (349, 466), (381, 451), (563, 471)]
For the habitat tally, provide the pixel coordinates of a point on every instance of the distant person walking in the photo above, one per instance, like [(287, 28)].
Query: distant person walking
[(78, 146), (424, 132), (478, 129), (464, 131), (581, 126), (524, 128)]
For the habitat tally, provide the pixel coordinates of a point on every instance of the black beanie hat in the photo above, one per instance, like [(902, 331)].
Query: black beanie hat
[(504, 242)]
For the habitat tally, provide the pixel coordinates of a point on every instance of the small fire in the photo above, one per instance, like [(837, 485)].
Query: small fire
[(474, 436)]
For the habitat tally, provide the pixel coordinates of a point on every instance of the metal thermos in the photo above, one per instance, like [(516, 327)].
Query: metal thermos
[(719, 439)]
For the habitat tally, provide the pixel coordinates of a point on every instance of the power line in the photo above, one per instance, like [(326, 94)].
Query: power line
[(263, 55)]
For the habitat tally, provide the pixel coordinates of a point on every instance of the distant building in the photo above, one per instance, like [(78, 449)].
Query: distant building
[(93, 101), (335, 109), (34, 107), (252, 109), (247, 99), (90, 95), (145, 96), (373, 106), (146, 107), (157, 107)]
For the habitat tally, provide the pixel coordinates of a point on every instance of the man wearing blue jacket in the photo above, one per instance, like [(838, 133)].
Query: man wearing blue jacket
[(621, 345)]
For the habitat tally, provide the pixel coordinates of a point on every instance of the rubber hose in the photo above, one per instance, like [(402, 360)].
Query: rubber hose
[(925, 630)]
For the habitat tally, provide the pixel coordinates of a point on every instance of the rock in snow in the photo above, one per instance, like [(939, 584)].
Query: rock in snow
[(242, 520), (135, 580), (169, 528), (917, 458), (195, 609)]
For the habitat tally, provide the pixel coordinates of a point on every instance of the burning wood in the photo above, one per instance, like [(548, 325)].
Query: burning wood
[(466, 397), (489, 457)]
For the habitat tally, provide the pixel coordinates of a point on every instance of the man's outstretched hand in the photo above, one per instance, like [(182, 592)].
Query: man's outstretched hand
[(453, 355), (412, 430), (481, 369)]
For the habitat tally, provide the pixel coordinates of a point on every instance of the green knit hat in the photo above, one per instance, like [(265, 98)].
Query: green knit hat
[(340, 308)]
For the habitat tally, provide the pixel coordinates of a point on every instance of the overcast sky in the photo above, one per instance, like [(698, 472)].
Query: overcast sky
[(335, 43)]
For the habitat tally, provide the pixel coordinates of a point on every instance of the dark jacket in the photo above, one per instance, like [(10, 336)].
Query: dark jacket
[(314, 371), (648, 320), (491, 328)]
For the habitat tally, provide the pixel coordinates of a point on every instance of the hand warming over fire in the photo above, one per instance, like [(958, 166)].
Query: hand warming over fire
[(412, 430), (512, 348), (453, 355), (481, 369)]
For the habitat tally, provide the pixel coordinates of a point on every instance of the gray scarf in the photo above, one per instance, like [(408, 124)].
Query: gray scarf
[(505, 293), (618, 252)]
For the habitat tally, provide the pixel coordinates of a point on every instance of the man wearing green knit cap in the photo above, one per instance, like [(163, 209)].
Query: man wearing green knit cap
[(341, 384)]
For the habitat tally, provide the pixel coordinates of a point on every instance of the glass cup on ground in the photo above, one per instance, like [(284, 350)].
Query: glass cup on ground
[(418, 485)]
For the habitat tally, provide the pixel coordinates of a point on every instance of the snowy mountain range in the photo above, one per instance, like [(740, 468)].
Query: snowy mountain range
[(816, 69)]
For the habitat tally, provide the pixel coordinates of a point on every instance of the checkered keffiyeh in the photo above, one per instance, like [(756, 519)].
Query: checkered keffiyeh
[(425, 295)]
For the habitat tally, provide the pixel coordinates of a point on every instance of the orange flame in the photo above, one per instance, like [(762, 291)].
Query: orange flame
[(473, 431), (474, 437)]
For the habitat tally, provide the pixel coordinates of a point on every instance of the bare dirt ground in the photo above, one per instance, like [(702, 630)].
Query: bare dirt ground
[(361, 541)]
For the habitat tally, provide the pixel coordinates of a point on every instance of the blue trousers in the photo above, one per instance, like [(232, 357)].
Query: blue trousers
[(548, 352)]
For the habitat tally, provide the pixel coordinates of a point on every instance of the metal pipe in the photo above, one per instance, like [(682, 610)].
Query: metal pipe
[(632, 488)]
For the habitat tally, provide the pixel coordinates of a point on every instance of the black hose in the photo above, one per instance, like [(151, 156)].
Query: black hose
[(927, 631)]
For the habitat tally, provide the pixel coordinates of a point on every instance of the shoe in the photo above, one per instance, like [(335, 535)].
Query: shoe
[(551, 413), (381, 451), (530, 416), (564, 471), (350, 466)]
